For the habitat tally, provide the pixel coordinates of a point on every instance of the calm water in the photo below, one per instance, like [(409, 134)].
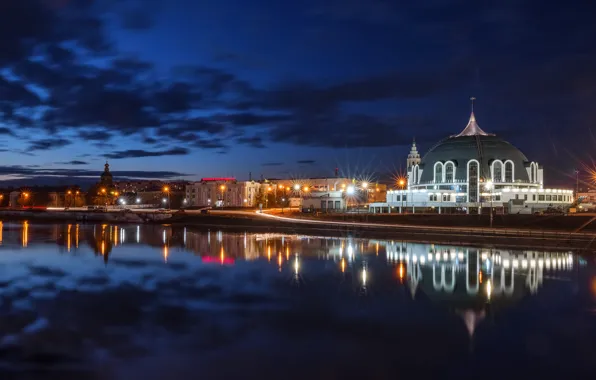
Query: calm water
[(154, 302)]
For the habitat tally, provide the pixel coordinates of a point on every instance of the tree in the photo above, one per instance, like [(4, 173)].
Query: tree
[(261, 198)]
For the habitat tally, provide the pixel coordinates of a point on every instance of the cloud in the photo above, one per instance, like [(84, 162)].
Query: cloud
[(32, 175), (95, 135), (272, 164), (137, 153), (306, 162), (73, 162), (48, 144), (376, 12), (6, 131), (253, 141)]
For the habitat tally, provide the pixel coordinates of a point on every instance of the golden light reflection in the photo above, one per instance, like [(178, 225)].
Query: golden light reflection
[(480, 277), (268, 253), (401, 271), (377, 249), (296, 265), (166, 253), (68, 237), (115, 236), (489, 289), (279, 261), (288, 253), (77, 236), (103, 247), (593, 286), (343, 265), (25, 234), (222, 255), (1, 229)]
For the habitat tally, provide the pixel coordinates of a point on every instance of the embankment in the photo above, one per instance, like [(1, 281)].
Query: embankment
[(466, 233)]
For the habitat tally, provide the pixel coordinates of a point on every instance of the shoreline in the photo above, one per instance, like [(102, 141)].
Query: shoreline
[(530, 238)]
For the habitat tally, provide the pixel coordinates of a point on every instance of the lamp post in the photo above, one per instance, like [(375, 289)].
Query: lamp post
[(401, 185), (222, 188), (26, 197), (76, 196), (105, 196), (489, 186), (166, 190)]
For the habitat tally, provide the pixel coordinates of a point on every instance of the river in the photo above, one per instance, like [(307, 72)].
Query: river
[(153, 302)]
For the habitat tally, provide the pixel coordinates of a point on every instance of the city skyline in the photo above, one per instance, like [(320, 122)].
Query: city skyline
[(181, 90)]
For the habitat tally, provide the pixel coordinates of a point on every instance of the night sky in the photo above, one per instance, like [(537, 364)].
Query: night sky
[(183, 89)]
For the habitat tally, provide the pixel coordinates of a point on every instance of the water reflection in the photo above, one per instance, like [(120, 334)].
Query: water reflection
[(216, 286), (467, 275)]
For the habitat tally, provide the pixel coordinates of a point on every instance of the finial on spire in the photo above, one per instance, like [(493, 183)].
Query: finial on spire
[(472, 98)]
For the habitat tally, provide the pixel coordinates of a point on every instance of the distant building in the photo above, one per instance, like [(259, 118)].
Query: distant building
[(223, 191), (586, 200), (135, 186), (47, 196), (324, 201)]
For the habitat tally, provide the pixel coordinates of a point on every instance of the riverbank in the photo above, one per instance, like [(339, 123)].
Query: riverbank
[(527, 231), (457, 235)]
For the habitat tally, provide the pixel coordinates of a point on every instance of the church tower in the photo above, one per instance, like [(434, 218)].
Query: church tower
[(414, 156), (106, 176)]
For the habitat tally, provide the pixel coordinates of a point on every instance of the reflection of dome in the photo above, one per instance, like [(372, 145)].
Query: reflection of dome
[(462, 148)]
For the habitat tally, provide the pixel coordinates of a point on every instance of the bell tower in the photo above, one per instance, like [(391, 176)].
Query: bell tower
[(413, 156)]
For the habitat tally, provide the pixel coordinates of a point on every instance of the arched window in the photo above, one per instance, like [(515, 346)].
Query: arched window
[(449, 172), (438, 172), (508, 171), (498, 171), (473, 181)]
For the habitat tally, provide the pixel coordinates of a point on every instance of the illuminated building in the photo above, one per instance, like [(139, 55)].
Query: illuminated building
[(470, 171)]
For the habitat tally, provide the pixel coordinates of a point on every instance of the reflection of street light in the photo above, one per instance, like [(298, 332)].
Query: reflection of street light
[(489, 186)]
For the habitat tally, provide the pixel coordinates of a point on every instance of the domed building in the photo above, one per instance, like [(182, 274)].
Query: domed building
[(472, 170)]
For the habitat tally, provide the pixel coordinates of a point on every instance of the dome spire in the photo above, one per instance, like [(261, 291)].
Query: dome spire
[(472, 129)]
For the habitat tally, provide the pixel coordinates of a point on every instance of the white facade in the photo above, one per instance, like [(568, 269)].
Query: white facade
[(228, 193), (470, 171), (325, 201)]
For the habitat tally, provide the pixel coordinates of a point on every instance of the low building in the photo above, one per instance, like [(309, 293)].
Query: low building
[(324, 201), (47, 196), (223, 192), (137, 186), (586, 200)]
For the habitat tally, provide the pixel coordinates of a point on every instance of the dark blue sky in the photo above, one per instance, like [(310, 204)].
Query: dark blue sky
[(188, 88)]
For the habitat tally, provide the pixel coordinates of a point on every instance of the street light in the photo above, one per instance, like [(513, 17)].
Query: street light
[(222, 188), (402, 183), (297, 187), (166, 190)]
